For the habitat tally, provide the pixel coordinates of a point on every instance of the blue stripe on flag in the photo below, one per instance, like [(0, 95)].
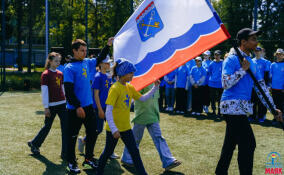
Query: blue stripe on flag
[(174, 44)]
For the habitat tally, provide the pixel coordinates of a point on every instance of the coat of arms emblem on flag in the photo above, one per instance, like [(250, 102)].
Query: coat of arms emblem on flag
[(149, 22)]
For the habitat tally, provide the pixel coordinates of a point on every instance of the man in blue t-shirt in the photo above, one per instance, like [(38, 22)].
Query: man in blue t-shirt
[(205, 64), (79, 102), (277, 79), (215, 82), (189, 65), (180, 85), (197, 78), (170, 90), (263, 65), (236, 106)]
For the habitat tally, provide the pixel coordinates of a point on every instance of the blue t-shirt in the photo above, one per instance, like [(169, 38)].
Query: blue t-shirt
[(93, 70), (163, 83), (263, 65), (171, 77), (181, 76), (277, 75), (242, 90), (215, 74), (61, 67), (102, 82), (197, 73), (78, 73), (206, 64), (189, 65)]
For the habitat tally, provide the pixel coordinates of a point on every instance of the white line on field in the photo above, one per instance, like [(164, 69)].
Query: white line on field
[(12, 95)]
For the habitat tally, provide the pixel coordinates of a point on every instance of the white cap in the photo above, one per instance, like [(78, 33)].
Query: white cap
[(107, 59), (279, 50), (198, 58), (207, 52)]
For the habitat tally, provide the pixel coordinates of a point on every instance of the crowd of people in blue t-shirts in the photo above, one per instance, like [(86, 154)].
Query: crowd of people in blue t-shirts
[(96, 91), (196, 85)]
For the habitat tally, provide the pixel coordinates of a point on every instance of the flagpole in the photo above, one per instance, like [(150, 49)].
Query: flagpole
[(274, 112), (46, 28)]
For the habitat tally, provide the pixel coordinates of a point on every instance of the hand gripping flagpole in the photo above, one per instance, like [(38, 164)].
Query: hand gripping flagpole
[(241, 57)]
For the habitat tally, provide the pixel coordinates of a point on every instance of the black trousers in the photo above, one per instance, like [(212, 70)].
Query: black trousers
[(74, 126), (181, 99), (130, 143), (42, 134), (278, 98), (215, 96), (259, 110), (238, 132), (162, 98), (206, 95), (197, 99)]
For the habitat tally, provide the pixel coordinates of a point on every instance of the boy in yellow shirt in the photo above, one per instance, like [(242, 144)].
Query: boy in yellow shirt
[(118, 115)]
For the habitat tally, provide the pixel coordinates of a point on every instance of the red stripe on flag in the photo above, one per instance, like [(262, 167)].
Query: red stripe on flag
[(179, 58)]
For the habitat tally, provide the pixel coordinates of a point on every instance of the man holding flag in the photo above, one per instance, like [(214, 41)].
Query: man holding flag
[(236, 106)]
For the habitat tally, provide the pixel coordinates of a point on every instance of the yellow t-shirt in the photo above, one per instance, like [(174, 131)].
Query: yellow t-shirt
[(120, 97)]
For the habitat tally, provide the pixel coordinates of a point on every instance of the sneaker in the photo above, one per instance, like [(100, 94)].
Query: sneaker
[(81, 144), (173, 165), (35, 150), (250, 119), (73, 168), (261, 120), (181, 112), (178, 112), (193, 113), (114, 156), (171, 109), (205, 108), (92, 163), (125, 164), (197, 113)]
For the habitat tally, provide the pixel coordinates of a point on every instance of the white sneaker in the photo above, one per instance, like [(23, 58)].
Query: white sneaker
[(81, 144), (193, 113), (114, 156), (205, 108), (167, 109), (198, 113), (171, 109), (181, 112)]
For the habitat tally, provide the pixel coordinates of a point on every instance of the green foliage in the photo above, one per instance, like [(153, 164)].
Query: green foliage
[(23, 81), (237, 14)]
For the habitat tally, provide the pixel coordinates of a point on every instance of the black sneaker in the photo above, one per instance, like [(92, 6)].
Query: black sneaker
[(73, 168), (35, 150), (92, 163)]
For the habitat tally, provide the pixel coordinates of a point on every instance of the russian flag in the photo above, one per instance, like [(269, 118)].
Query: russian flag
[(161, 35)]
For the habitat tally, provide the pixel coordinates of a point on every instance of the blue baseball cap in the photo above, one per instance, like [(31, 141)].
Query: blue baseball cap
[(124, 67), (258, 48)]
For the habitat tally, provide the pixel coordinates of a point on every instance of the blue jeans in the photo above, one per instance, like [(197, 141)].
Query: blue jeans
[(170, 97), (42, 134), (129, 141), (160, 143), (189, 98)]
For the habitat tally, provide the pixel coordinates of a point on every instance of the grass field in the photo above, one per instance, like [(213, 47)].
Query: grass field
[(196, 141)]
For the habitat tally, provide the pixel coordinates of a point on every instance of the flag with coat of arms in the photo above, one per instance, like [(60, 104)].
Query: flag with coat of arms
[(162, 35)]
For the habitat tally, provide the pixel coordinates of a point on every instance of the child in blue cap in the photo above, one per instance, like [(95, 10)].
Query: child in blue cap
[(117, 113)]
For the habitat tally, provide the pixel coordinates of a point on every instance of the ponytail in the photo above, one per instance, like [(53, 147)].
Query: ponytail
[(49, 58)]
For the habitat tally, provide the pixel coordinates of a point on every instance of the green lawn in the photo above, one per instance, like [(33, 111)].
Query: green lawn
[(194, 141)]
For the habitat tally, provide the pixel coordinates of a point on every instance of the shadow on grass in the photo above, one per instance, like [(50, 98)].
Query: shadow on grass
[(51, 168), (39, 112), (266, 123), (113, 167)]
